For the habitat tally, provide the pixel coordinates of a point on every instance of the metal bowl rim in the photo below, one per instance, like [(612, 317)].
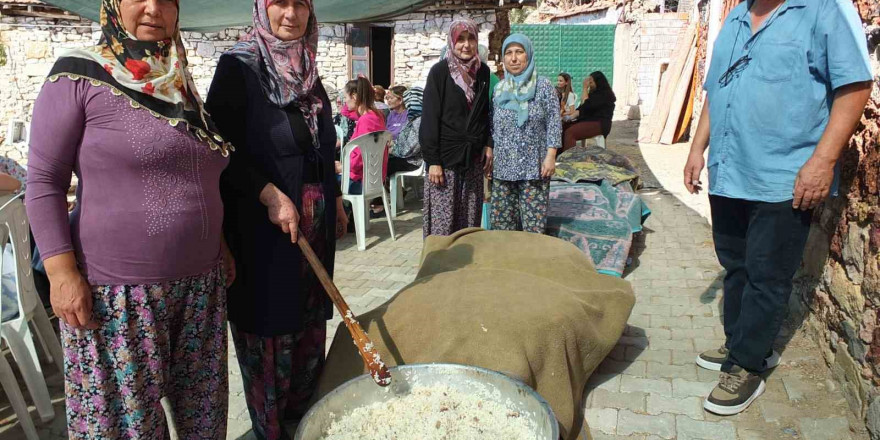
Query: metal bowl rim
[(554, 425)]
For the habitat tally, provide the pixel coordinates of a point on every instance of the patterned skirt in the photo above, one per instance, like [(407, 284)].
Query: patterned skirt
[(457, 205), (280, 373), (154, 341)]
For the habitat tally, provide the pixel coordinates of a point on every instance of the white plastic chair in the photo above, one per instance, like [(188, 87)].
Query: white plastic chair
[(373, 146), (13, 393), (397, 187), (14, 231)]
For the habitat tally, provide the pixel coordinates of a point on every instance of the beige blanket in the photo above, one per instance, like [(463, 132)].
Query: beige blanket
[(527, 305)]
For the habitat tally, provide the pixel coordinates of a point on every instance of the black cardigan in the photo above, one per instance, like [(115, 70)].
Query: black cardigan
[(266, 298), (598, 107), (453, 134)]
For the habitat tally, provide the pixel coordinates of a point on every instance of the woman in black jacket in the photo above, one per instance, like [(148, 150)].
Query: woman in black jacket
[(455, 134), (267, 99), (593, 117)]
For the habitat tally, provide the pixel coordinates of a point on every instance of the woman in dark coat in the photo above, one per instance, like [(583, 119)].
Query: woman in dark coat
[(268, 101), (593, 116), (454, 134)]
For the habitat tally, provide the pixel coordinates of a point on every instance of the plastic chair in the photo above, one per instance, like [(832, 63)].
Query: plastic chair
[(15, 231), (397, 187), (373, 146), (13, 393)]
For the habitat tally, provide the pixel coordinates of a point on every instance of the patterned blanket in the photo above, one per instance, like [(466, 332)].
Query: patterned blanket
[(597, 209)]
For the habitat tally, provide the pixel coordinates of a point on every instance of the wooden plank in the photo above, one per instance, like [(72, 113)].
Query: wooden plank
[(679, 98), (696, 87), (656, 120)]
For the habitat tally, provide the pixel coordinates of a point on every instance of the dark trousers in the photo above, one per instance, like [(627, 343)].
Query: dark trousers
[(760, 245)]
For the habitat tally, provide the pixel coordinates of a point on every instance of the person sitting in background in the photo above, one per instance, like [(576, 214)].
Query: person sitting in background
[(593, 117), (568, 99), (397, 116), (379, 98), (360, 107)]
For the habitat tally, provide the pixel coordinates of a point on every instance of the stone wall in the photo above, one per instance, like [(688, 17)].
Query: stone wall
[(657, 36), (837, 291)]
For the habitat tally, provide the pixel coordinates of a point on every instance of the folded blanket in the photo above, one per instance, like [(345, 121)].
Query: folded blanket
[(594, 164), (527, 305), (599, 218)]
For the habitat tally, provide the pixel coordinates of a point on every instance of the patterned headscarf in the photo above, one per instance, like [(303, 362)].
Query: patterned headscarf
[(515, 92), (287, 69), (153, 74), (412, 99), (464, 73)]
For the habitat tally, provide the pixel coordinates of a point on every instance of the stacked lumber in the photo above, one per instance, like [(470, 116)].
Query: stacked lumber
[(671, 115)]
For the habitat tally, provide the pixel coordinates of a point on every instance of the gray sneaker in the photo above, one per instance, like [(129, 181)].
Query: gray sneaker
[(734, 393), (713, 359)]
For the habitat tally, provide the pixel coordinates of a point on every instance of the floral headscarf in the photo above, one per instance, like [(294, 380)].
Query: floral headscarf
[(153, 74), (514, 92), (287, 69), (464, 73)]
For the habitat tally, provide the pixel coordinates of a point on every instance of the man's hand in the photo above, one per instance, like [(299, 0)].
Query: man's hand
[(813, 184), (692, 170)]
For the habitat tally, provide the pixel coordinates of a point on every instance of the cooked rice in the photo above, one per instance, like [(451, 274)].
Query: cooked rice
[(436, 412)]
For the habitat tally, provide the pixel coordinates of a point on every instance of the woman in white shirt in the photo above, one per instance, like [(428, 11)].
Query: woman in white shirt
[(568, 99)]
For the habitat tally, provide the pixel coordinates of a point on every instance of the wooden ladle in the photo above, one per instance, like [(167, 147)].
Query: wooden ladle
[(368, 351)]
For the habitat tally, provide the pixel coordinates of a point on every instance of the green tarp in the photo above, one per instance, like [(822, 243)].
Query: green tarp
[(218, 14)]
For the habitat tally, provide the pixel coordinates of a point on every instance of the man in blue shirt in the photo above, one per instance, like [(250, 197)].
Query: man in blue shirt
[(788, 83)]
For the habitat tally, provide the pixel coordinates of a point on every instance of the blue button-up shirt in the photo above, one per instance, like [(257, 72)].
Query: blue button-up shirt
[(767, 120)]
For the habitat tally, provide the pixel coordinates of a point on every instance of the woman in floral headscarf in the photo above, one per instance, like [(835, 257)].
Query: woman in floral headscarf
[(136, 274), (268, 101), (454, 134)]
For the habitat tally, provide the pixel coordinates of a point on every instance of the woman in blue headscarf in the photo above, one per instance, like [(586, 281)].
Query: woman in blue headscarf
[(526, 132)]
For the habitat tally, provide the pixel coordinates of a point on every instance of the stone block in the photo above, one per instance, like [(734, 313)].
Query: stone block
[(845, 292), (661, 371), (872, 420), (689, 406), (629, 423), (836, 428), (36, 50), (796, 388), (37, 69), (690, 429), (687, 388), (634, 401), (602, 419), (630, 384)]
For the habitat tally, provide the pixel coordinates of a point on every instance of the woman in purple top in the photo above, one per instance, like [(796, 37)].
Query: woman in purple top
[(136, 271)]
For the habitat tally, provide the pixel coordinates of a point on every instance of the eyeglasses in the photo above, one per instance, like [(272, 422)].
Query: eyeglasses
[(734, 70)]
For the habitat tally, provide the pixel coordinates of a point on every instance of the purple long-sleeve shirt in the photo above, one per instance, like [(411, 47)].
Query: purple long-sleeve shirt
[(148, 200)]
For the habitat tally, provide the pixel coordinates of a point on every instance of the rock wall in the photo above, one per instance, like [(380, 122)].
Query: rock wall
[(837, 291), (658, 35)]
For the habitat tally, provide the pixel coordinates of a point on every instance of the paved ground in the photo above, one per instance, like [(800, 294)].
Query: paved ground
[(649, 387)]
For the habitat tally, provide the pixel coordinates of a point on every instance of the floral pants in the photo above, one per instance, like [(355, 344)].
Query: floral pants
[(520, 205), (154, 341)]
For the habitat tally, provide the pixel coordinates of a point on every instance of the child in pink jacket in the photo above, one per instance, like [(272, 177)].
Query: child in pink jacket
[(359, 107)]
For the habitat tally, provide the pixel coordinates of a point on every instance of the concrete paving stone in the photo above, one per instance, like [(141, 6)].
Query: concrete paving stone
[(701, 345), (608, 382), (662, 425), (691, 333), (687, 388), (599, 435), (690, 429), (630, 384), (689, 406), (618, 353), (650, 332), (639, 321), (680, 357), (836, 428), (609, 366), (651, 309), (706, 321), (672, 344), (602, 419), (633, 341), (680, 322), (635, 353), (753, 434), (664, 371), (634, 401), (671, 300), (691, 309)]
